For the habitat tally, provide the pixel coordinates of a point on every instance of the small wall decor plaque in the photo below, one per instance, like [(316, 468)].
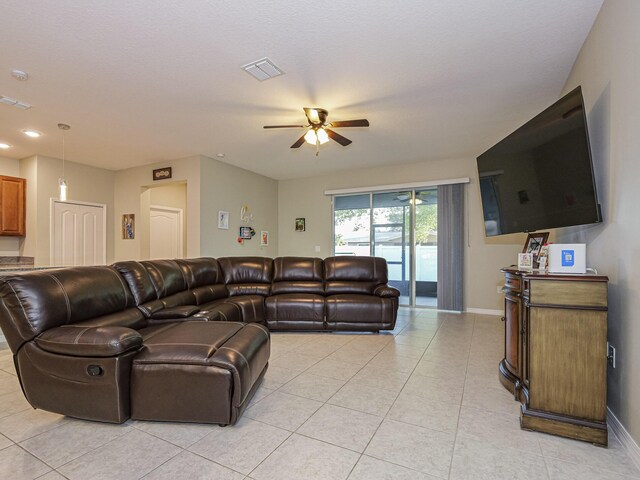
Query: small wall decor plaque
[(223, 220), (128, 226), (247, 233), (300, 224), (264, 238), (162, 173)]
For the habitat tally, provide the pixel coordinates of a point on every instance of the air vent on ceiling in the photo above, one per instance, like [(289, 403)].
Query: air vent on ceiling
[(12, 102), (262, 69)]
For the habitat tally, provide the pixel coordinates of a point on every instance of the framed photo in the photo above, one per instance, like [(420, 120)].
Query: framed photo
[(246, 233), (264, 238), (525, 261), (300, 224), (223, 220), (534, 244), (128, 226)]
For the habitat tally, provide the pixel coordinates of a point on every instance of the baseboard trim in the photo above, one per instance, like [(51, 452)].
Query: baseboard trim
[(627, 441), (484, 311)]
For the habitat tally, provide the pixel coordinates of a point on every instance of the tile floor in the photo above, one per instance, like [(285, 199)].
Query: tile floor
[(421, 402)]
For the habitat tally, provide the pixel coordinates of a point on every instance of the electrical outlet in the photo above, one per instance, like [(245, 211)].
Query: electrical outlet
[(611, 355)]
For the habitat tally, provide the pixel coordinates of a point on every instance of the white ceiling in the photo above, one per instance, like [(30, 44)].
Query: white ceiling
[(142, 81)]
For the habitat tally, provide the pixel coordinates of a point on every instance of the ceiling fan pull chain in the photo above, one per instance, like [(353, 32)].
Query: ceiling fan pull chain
[(317, 148)]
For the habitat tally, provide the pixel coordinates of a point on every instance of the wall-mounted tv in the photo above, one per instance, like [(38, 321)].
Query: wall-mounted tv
[(541, 176)]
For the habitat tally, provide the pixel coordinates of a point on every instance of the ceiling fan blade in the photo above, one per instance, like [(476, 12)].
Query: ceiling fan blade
[(299, 142), (337, 137), (284, 126), (363, 122)]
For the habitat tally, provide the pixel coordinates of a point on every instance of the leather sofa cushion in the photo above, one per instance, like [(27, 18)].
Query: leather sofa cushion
[(386, 291), (138, 279), (297, 287), (37, 301), (244, 308), (354, 308), (209, 293), (263, 289), (166, 276), (130, 318), (89, 341), (175, 312), (225, 311), (344, 275), (304, 269), (200, 272), (297, 275), (295, 306), (246, 270)]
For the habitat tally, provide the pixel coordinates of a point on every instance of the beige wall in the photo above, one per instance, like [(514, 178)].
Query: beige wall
[(86, 184), (483, 256), (608, 70), (131, 183), (9, 245), (228, 188), (211, 186)]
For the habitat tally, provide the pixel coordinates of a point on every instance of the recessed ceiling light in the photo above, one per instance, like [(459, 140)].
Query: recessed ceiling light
[(20, 75), (220, 155), (4, 146), (32, 133)]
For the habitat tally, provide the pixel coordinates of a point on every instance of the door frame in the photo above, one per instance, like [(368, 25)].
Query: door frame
[(180, 213), (52, 203)]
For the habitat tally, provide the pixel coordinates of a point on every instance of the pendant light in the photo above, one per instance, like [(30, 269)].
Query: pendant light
[(62, 183)]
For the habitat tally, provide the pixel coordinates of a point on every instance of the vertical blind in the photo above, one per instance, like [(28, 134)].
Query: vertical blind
[(450, 246)]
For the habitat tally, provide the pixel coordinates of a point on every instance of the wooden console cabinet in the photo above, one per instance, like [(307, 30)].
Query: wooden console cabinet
[(12, 206), (555, 352)]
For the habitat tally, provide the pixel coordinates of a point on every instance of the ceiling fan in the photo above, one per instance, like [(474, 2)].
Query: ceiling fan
[(319, 131)]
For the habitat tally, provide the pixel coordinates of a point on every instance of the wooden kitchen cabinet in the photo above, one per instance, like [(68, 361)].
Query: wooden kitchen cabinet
[(13, 192)]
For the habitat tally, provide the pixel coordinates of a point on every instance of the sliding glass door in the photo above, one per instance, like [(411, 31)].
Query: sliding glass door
[(382, 224)]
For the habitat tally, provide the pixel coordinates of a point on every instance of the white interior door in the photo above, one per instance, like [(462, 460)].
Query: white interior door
[(78, 234), (166, 232)]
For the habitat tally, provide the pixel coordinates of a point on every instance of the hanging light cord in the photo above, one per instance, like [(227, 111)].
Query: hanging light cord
[(63, 135)]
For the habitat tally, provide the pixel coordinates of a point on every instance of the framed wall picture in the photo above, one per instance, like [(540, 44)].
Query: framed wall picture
[(128, 226), (223, 220), (162, 173), (246, 233), (300, 224), (534, 243), (264, 238)]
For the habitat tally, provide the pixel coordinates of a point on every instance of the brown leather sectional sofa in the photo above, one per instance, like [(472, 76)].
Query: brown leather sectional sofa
[(176, 340)]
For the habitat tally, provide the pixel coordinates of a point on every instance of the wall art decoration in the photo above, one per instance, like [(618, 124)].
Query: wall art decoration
[(223, 220), (264, 238), (247, 233), (162, 173), (128, 226), (245, 216), (300, 224)]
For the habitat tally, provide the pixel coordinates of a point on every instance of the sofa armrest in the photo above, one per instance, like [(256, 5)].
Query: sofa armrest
[(184, 311), (385, 291), (89, 341)]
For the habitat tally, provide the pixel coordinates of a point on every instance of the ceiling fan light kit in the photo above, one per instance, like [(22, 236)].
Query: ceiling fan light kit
[(318, 132)]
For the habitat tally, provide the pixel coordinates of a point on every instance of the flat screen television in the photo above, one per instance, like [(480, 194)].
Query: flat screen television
[(541, 176)]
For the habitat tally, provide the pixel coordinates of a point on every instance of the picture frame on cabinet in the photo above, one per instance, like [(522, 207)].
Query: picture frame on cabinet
[(535, 242)]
